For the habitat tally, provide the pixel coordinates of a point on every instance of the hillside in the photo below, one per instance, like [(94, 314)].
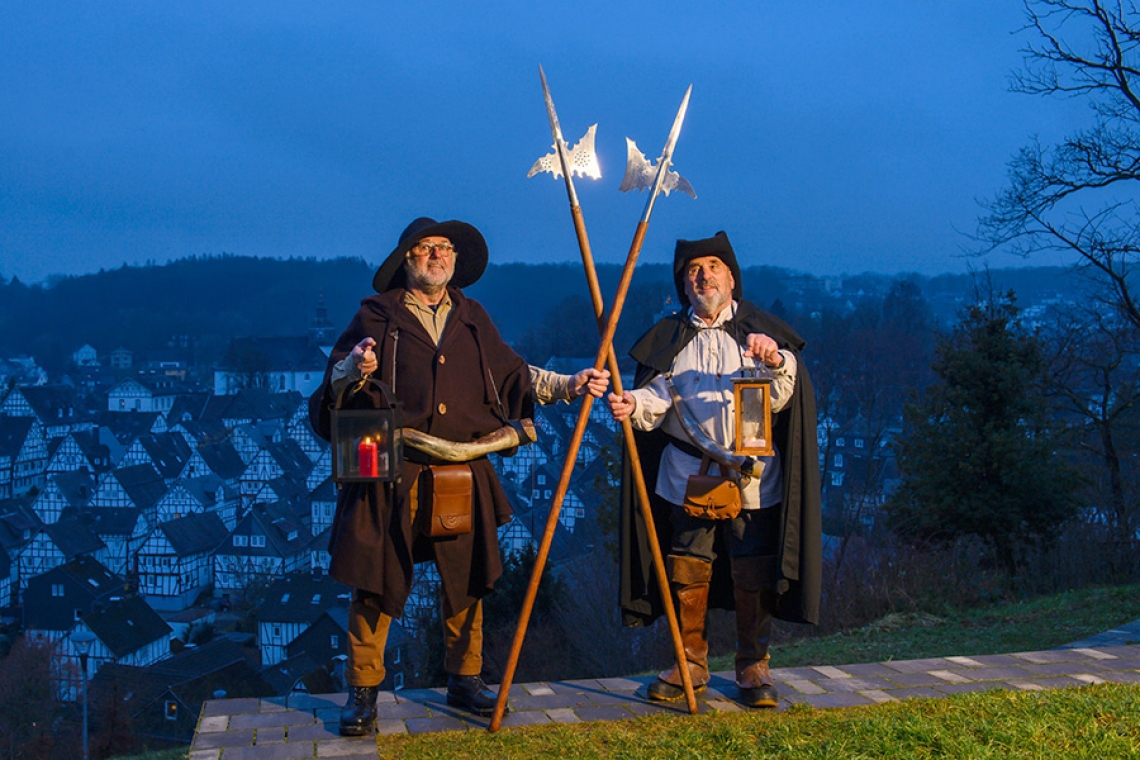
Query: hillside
[(213, 299)]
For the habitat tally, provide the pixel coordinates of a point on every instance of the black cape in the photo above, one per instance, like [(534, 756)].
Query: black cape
[(794, 433)]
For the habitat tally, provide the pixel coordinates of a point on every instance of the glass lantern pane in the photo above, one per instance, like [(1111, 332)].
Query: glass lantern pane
[(364, 446), (752, 433)]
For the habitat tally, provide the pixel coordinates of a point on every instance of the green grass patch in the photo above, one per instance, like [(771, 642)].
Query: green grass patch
[(1095, 722), (1022, 626)]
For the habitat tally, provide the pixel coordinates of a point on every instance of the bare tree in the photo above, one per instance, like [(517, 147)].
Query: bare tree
[(1077, 196), (1094, 376)]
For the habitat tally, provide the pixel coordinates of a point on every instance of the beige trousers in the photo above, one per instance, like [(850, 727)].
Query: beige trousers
[(368, 633)]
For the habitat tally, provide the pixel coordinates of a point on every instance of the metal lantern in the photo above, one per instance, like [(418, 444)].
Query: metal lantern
[(752, 402), (367, 445)]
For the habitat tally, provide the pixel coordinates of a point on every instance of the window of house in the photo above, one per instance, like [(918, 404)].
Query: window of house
[(838, 460), (334, 641), (292, 535), (77, 614), (276, 631), (839, 442), (171, 709), (548, 493), (257, 540), (57, 589), (241, 540), (542, 480), (837, 478), (316, 599), (858, 443), (398, 681)]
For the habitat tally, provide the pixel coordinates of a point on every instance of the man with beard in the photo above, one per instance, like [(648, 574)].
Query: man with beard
[(457, 380), (772, 549)]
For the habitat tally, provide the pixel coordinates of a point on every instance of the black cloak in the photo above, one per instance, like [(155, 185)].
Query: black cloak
[(794, 433)]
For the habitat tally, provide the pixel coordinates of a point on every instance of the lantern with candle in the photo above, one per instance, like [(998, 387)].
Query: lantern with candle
[(366, 442)]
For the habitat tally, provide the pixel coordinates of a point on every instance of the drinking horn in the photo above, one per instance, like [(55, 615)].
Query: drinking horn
[(517, 433), (747, 466)]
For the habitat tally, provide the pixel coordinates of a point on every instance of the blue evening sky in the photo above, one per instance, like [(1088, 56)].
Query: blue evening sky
[(825, 136)]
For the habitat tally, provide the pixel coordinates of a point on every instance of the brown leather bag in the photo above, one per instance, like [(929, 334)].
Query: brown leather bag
[(712, 497), (452, 491)]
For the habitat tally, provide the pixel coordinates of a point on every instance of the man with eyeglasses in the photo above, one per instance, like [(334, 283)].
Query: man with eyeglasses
[(457, 380)]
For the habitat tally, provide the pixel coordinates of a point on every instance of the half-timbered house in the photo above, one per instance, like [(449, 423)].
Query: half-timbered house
[(176, 562), (59, 598), (53, 545), (55, 407), (272, 462), (64, 490), (166, 452), (290, 606), (23, 456), (268, 543), (95, 451)]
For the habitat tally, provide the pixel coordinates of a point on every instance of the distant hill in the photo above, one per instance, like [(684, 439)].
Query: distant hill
[(215, 298)]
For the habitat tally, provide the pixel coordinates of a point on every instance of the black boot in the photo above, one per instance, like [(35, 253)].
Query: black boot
[(358, 718), (470, 692)]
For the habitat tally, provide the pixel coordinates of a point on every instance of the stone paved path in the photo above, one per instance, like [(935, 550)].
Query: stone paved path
[(306, 726)]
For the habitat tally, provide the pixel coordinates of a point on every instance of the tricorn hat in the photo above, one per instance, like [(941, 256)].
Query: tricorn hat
[(718, 246), (470, 257)]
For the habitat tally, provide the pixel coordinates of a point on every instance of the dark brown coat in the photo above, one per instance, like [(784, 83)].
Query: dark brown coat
[(460, 391)]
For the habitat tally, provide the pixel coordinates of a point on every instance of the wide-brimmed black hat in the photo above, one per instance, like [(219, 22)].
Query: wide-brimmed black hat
[(718, 246), (470, 257)]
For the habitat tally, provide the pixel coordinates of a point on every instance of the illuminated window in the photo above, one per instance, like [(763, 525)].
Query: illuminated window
[(171, 709)]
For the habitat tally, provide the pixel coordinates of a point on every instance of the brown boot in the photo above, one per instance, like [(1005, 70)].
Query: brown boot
[(752, 579), (689, 578)]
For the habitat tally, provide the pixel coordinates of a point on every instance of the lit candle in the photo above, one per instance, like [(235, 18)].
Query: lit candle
[(369, 454)]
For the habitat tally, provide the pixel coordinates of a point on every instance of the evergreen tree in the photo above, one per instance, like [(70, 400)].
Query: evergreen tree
[(979, 451)]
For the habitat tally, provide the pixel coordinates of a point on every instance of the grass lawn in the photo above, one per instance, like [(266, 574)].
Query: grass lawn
[(1090, 722)]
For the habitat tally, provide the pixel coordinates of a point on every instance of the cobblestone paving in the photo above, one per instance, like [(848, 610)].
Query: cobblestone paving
[(306, 726)]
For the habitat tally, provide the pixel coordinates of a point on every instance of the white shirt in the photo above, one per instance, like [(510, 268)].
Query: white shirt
[(702, 375)]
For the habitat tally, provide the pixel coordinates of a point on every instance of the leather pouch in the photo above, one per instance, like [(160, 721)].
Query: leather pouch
[(711, 497), (451, 498)]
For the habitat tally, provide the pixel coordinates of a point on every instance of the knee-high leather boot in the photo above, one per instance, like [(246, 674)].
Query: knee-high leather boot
[(752, 579), (689, 578)]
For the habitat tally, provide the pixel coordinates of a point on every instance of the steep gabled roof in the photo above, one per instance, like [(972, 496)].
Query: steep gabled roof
[(168, 452), (127, 426), (187, 407), (143, 484), (76, 487), (13, 434), (113, 522), (94, 450), (52, 404), (205, 431), (73, 536), (195, 534), (127, 625), (18, 522), (290, 457), (86, 582), (223, 460), (302, 598)]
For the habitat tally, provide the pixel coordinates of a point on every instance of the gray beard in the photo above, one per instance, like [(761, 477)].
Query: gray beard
[(708, 307)]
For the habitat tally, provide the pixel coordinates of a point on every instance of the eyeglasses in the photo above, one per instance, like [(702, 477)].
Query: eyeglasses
[(443, 250)]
